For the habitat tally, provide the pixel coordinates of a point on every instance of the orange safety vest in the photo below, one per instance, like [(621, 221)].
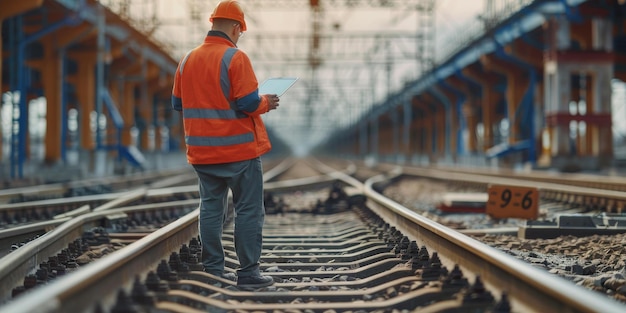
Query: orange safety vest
[(217, 91)]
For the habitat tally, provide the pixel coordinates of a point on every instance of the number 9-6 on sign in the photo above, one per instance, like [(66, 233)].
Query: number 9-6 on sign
[(513, 202)]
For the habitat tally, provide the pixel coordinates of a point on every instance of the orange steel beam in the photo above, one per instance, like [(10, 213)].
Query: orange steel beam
[(75, 34), (145, 103), (454, 128), (384, 131), (489, 100), (517, 82), (50, 67), (468, 111), (159, 90), (455, 83), (52, 85), (421, 128), (9, 9), (403, 146), (439, 123), (620, 59), (384, 141), (160, 85), (85, 82), (127, 109), (414, 142), (125, 66), (582, 33), (430, 118), (124, 63), (527, 53)]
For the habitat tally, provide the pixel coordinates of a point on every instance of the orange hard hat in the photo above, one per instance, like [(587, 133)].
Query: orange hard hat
[(230, 10)]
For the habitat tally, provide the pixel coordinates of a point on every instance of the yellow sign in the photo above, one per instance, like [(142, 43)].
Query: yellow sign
[(513, 201)]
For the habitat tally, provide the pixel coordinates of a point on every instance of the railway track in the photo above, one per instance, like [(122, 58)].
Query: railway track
[(366, 252), (561, 204), (25, 206)]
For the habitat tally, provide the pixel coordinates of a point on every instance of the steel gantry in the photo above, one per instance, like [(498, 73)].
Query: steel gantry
[(345, 71), (342, 72), (532, 87), (81, 57)]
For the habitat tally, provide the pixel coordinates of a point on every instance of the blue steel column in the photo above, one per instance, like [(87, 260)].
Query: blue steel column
[(439, 96), (149, 127), (64, 117), (460, 147), (394, 131), (458, 73), (100, 149), (363, 137), (408, 115), (158, 146), (374, 137), (16, 129), (18, 143), (527, 101)]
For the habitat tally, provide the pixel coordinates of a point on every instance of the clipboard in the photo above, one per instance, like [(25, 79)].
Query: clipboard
[(277, 85)]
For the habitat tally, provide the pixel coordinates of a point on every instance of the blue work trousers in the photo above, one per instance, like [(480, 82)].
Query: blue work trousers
[(245, 179)]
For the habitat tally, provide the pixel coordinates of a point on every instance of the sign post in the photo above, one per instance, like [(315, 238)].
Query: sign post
[(513, 201)]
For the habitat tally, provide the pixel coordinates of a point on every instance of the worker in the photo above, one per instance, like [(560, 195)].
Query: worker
[(216, 89)]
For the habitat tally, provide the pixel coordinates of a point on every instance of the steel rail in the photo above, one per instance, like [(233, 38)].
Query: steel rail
[(550, 191), (82, 203), (25, 259), (608, 182), (170, 177), (523, 283), (111, 200), (70, 225), (100, 201)]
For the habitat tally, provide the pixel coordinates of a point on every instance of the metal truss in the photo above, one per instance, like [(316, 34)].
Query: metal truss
[(346, 4), (343, 74), (335, 48)]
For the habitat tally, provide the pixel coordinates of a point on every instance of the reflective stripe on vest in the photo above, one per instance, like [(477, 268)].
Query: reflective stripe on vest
[(219, 141), (224, 79), (202, 113)]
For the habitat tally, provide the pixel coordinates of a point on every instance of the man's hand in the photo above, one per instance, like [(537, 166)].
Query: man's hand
[(272, 102)]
